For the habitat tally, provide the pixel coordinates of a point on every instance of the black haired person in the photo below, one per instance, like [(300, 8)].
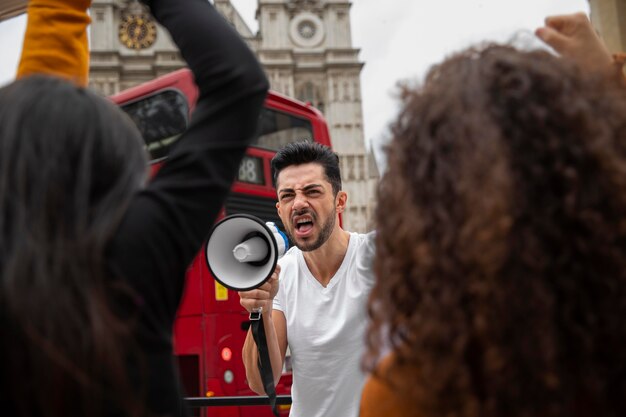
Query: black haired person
[(93, 256)]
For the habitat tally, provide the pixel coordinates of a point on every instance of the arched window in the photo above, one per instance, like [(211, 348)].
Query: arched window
[(310, 94)]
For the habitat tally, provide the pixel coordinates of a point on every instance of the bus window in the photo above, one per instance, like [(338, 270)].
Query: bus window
[(160, 118), (276, 129)]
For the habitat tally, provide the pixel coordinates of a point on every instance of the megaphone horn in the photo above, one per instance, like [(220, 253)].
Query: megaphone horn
[(242, 251)]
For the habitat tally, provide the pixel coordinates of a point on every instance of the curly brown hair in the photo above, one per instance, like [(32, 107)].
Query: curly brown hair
[(501, 246)]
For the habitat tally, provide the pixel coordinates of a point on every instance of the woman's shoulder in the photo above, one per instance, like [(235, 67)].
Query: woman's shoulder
[(381, 396)]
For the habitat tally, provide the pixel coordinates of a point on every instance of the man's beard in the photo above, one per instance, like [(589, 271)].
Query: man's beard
[(327, 230)]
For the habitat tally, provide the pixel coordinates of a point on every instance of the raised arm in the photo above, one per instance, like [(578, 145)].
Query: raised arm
[(55, 42), (574, 38), (166, 223)]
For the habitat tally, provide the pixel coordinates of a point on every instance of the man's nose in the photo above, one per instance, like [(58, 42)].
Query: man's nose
[(300, 202)]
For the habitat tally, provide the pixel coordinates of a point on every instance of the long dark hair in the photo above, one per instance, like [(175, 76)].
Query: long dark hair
[(501, 256), (69, 163)]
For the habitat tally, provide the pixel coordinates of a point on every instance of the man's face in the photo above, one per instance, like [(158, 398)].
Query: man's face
[(307, 206)]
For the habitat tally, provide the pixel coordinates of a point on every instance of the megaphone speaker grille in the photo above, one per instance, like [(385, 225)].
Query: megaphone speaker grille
[(225, 268)]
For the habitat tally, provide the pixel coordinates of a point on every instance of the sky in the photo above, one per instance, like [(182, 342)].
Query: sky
[(398, 39)]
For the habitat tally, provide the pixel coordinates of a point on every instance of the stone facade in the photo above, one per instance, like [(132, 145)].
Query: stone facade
[(306, 49), (609, 18)]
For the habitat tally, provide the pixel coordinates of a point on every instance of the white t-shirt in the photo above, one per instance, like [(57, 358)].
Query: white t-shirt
[(326, 329)]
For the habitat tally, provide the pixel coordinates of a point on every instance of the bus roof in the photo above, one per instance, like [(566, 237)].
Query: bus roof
[(183, 80)]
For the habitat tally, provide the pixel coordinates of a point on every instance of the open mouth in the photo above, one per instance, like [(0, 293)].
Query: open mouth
[(303, 224)]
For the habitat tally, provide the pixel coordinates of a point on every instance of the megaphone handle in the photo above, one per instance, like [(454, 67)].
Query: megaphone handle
[(265, 366)]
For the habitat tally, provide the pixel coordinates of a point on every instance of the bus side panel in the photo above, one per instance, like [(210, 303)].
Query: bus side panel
[(191, 303), (189, 351)]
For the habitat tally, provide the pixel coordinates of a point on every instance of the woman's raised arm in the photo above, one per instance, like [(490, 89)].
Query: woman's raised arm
[(55, 42)]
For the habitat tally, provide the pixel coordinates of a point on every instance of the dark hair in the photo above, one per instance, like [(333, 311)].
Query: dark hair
[(299, 153), (501, 245), (69, 163)]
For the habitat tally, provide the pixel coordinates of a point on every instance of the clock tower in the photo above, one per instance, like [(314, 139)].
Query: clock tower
[(305, 47), (127, 46)]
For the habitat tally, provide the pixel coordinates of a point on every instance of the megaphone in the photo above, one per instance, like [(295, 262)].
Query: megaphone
[(242, 251)]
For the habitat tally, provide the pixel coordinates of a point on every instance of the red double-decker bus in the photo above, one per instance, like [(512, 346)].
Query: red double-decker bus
[(211, 325)]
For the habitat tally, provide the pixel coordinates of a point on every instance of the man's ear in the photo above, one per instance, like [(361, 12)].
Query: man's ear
[(278, 208), (340, 201)]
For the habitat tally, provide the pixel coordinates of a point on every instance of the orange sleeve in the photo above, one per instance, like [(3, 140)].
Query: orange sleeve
[(55, 42), (379, 398)]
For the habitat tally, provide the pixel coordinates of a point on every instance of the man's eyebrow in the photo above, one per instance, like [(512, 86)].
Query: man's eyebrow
[(285, 190), (305, 188)]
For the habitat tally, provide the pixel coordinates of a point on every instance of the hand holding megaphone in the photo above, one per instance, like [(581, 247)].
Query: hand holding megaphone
[(260, 299)]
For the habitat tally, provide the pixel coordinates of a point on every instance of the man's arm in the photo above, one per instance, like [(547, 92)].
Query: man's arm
[(55, 42), (275, 326), (276, 332)]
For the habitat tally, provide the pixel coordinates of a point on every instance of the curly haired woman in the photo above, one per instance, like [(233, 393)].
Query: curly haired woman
[(501, 251)]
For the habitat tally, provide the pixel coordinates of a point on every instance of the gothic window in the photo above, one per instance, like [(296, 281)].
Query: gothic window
[(288, 84), (353, 214), (363, 216), (356, 91), (344, 167), (308, 93), (363, 168), (346, 91), (351, 173), (307, 29), (275, 80)]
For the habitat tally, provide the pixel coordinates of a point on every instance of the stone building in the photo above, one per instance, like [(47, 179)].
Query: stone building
[(305, 47), (609, 18)]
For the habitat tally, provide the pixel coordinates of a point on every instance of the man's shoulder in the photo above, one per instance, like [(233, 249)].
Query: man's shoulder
[(364, 253), (366, 237), (366, 242), (291, 254), (289, 259)]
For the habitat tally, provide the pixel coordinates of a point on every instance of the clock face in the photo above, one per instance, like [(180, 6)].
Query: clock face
[(137, 31)]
